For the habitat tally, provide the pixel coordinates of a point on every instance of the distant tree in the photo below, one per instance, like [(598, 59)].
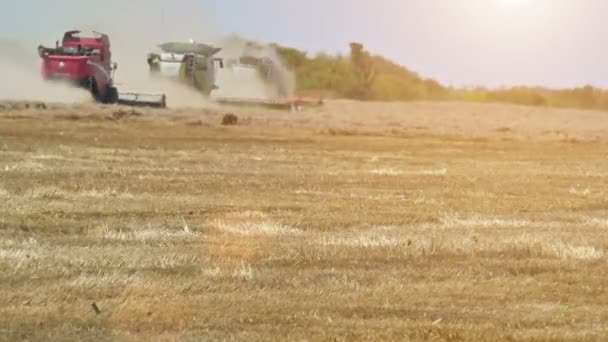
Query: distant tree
[(293, 58), (363, 66), (587, 96)]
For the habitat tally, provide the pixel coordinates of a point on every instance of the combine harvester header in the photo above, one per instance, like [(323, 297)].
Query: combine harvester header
[(294, 104), (86, 61)]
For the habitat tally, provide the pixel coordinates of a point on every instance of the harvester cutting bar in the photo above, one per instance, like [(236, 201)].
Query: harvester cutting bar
[(143, 100), (293, 104)]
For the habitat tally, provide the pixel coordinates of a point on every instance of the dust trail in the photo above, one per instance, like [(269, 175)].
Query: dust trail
[(247, 82), (136, 28), (20, 78), (134, 36)]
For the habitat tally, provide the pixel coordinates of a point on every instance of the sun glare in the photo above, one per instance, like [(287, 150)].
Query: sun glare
[(513, 2)]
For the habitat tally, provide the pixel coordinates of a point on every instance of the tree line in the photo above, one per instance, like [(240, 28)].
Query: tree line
[(362, 75)]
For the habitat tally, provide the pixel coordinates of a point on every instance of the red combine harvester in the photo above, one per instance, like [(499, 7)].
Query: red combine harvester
[(86, 61)]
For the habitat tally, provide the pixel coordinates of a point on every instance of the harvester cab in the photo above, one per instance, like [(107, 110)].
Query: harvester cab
[(85, 60)]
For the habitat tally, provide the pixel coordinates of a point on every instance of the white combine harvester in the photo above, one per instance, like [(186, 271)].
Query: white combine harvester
[(243, 80)]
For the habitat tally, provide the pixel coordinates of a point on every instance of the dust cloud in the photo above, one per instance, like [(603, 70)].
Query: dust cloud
[(246, 82), (20, 78), (136, 28)]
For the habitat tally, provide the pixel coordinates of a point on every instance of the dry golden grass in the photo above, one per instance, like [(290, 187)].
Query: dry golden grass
[(294, 226)]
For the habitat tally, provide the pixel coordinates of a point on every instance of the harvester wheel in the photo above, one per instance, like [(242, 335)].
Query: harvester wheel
[(93, 89), (111, 96)]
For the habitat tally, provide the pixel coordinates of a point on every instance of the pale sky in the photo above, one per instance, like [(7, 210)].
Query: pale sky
[(558, 43)]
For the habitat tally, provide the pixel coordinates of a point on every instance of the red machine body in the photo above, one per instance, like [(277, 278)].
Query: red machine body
[(86, 61), (82, 60)]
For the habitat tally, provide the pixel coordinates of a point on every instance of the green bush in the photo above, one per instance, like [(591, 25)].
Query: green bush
[(364, 76)]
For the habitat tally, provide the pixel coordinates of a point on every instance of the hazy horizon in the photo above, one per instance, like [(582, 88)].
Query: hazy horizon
[(553, 43)]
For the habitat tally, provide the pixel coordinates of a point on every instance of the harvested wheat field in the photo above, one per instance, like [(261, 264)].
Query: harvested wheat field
[(356, 221)]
